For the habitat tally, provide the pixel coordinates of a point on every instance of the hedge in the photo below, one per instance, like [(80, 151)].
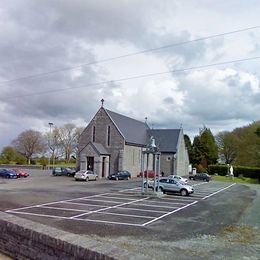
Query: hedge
[(250, 172)]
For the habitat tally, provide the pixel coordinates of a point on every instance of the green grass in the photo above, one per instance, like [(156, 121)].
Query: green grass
[(235, 180)]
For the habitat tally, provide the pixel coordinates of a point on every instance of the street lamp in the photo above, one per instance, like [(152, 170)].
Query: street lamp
[(50, 136), (151, 149)]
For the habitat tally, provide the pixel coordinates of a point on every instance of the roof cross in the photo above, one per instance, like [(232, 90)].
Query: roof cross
[(102, 102)]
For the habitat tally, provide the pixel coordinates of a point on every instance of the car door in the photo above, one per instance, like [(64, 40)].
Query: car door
[(90, 175), (171, 185)]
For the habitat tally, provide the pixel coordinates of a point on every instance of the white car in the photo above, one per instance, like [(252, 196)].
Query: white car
[(178, 178), (84, 175)]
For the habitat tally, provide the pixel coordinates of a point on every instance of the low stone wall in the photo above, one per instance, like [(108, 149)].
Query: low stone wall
[(17, 166), (24, 239)]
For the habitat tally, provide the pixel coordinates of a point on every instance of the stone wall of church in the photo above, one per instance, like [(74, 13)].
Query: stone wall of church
[(101, 122), (182, 157), (132, 159)]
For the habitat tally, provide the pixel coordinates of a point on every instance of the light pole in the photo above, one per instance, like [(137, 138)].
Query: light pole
[(50, 124), (151, 149)]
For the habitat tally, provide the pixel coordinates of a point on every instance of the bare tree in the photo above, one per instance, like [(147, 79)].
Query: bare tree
[(68, 138), (53, 140), (29, 143)]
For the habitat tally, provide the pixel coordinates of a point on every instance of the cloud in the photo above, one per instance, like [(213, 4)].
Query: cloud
[(52, 35)]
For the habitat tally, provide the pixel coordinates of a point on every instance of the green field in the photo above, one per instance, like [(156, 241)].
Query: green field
[(235, 180)]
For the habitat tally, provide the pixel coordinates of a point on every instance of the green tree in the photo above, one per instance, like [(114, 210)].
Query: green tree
[(248, 145), (227, 144), (188, 145), (205, 150), (8, 154)]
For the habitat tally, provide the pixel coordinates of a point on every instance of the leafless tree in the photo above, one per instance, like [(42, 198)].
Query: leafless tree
[(68, 138), (29, 143)]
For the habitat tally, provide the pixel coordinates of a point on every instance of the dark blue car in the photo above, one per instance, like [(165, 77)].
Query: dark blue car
[(121, 175), (6, 173)]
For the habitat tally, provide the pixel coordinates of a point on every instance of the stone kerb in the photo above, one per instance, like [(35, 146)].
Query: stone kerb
[(24, 239)]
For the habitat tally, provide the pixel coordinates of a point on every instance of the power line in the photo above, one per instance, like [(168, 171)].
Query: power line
[(137, 77), (128, 55)]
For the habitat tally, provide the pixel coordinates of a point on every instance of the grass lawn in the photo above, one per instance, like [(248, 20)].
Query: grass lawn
[(235, 180)]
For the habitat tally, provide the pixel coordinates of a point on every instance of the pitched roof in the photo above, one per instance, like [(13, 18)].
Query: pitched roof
[(100, 148), (165, 139), (132, 130)]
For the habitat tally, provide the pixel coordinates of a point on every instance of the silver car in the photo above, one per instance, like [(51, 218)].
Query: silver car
[(84, 175), (170, 185), (178, 178)]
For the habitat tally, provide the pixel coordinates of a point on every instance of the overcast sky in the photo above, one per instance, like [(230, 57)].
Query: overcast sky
[(57, 63)]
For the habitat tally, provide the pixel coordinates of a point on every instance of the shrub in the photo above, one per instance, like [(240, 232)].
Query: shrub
[(249, 172)]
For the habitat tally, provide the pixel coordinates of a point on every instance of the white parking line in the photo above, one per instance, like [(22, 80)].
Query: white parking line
[(169, 213), (122, 202), (218, 191), (116, 206), (145, 210)]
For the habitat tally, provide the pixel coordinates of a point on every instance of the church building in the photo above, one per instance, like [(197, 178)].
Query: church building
[(112, 142)]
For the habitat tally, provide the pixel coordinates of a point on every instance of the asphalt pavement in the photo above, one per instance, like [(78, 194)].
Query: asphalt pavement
[(117, 212)]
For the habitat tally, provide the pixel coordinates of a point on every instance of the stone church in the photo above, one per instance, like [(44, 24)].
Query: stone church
[(113, 142)]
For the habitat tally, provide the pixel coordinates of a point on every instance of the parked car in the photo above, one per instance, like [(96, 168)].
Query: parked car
[(121, 175), (68, 171), (7, 173), (21, 173), (200, 176), (178, 178), (58, 171), (85, 175), (171, 185), (149, 173)]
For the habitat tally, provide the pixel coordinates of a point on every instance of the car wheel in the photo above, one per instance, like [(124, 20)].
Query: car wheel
[(87, 179), (161, 190), (95, 178), (184, 192)]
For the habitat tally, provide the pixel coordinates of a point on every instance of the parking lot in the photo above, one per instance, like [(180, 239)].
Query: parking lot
[(116, 210), (122, 207)]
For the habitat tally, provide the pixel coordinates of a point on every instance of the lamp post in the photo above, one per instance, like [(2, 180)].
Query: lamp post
[(151, 149), (50, 136)]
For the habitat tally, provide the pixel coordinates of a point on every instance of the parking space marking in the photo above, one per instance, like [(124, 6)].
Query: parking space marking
[(123, 207), (111, 207), (169, 213), (214, 193)]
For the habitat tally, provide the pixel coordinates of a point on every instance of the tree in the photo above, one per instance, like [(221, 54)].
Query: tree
[(205, 150), (188, 146), (54, 143), (68, 138), (8, 154), (227, 146), (209, 147), (29, 143)]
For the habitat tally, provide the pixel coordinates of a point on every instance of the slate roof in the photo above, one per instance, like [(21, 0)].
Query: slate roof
[(100, 148), (165, 139), (133, 131)]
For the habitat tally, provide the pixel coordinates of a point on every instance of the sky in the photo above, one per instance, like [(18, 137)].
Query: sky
[(180, 63)]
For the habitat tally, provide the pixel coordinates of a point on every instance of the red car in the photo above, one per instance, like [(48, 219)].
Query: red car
[(20, 173), (149, 173)]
